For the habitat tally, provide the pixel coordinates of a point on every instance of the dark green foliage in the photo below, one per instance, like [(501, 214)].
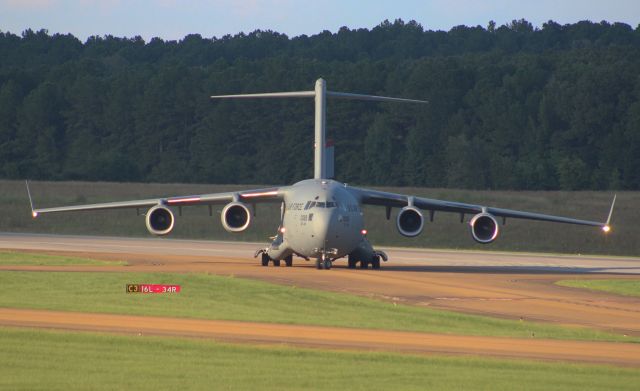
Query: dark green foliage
[(511, 107)]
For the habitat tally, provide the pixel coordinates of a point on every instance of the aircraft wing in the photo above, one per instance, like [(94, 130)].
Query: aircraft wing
[(374, 197), (271, 194)]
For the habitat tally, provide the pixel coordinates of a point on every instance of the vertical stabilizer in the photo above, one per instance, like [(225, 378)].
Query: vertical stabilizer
[(329, 160), (319, 161)]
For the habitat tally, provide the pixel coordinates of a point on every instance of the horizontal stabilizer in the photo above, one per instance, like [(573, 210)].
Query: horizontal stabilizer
[(311, 94), (346, 95), (292, 94)]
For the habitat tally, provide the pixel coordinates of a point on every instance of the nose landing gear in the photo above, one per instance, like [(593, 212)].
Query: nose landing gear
[(324, 263)]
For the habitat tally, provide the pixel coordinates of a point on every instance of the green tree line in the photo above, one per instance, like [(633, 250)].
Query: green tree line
[(511, 107)]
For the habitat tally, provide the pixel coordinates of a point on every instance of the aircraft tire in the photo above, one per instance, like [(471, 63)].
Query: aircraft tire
[(289, 261), (364, 265), (265, 259), (351, 263), (276, 262), (327, 264), (319, 264), (375, 263)]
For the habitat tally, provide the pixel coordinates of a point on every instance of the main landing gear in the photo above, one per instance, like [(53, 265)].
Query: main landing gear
[(374, 261), (265, 259)]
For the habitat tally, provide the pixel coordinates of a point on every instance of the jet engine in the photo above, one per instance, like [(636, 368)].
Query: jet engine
[(484, 228), (236, 217), (410, 221), (160, 220)]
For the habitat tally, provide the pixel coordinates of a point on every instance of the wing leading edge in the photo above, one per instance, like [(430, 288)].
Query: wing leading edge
[(272, 194), (380, 198)]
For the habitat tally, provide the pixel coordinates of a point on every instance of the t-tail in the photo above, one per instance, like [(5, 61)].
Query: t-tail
[(320, 94)]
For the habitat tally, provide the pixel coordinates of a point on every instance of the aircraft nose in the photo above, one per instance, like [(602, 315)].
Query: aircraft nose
[(321, 222), (329, 228)]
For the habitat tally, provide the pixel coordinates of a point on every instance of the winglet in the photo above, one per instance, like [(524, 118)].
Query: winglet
[(33, 212), (606, 228)]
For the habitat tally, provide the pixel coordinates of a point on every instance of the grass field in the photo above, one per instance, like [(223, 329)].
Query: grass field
[(33, 359), (620, 287), (445, 232), (19, 258), (227, 298)]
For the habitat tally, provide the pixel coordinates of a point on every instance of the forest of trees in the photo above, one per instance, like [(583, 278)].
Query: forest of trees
[(511, 107)]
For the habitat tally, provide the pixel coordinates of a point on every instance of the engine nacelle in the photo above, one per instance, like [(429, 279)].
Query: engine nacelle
[(160, 220), (484, 228), (236, 217), (410, 221)]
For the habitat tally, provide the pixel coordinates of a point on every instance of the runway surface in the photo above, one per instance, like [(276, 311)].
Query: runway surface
[(406, 256), (510, 286)]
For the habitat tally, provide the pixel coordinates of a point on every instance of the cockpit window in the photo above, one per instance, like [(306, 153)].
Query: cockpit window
[(318, 204)]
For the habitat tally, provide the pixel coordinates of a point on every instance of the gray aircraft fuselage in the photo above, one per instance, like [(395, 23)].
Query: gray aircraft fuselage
[(321, 217)]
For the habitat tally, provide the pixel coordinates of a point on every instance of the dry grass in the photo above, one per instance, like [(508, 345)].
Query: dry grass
[(445, 232)]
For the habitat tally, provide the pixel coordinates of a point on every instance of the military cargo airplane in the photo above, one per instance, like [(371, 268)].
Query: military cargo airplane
[(322, 219)]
